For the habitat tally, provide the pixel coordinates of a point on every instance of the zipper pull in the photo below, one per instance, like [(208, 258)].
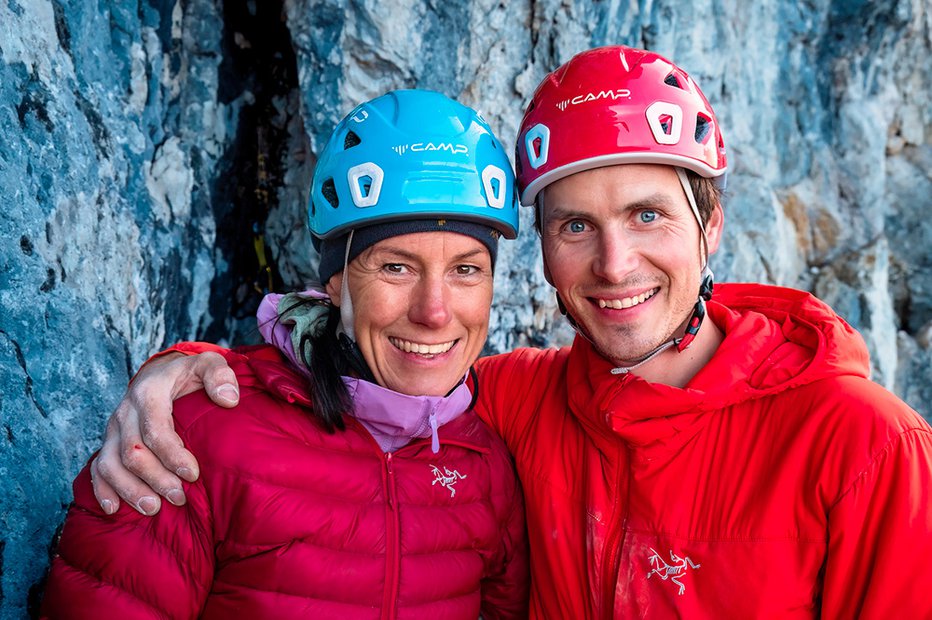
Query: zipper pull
[(389, 482), (434, 438)]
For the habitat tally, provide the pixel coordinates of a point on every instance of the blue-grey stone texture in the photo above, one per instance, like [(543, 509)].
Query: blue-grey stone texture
[(145, 147)]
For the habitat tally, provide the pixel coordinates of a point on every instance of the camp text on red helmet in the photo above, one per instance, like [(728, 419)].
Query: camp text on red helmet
[(616, 105)]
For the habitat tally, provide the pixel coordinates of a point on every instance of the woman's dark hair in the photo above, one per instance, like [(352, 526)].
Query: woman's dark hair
[(327, 365), (329, 396)]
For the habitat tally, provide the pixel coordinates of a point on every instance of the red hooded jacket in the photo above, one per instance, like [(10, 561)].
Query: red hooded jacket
[(779, 483), (288, 521)]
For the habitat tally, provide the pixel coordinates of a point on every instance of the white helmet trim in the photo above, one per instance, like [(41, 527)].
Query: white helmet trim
[(663, 108), (537, 132), (360, 171), (496, 199)]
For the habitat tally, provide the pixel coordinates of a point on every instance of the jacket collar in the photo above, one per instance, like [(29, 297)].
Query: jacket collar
[(393, 419)]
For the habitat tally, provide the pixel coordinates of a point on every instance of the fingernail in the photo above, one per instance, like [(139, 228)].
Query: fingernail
[(107, 505), (227, 392), (186, 474), (175, 496), (148, 505)]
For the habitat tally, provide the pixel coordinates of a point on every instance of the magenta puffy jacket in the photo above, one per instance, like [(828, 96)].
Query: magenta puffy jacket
[(288, 521)]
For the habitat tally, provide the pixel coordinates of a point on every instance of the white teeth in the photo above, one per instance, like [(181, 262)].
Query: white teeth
[(422, 349), (627, 302)]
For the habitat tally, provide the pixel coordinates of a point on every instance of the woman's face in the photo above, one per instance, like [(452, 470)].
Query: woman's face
[(421, 306)]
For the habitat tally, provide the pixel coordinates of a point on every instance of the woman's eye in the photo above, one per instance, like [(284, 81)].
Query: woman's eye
[(466, 270), (648, 216), (394, 268)]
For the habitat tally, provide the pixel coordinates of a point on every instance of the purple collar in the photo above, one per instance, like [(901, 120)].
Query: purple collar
[(394, 419)]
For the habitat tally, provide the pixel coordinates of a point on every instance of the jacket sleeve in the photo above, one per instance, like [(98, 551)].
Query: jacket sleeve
[(880, 536), (506, 588), (128, 565), (511, 387), (187, 348)]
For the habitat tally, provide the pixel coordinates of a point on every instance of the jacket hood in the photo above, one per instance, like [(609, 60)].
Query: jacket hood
[(775, 339)]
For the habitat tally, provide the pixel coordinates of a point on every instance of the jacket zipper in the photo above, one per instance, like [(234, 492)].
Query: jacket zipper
[(392, 520), (392, 542), (616, 540)]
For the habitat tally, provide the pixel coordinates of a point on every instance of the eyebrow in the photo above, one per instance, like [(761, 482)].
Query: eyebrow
[(654, 200), (398, 252)]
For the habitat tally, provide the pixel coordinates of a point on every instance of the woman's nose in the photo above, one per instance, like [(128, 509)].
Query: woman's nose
[(430, 304)]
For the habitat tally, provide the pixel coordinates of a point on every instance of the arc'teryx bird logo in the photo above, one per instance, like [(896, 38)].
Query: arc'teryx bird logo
[(674, 572), (446, 478), (619, 93), (417, 147)]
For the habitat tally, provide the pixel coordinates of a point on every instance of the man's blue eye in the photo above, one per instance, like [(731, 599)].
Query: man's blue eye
[(577, 227), (648, 216)]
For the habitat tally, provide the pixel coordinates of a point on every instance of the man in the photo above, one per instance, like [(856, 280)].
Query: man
[(691, 455)]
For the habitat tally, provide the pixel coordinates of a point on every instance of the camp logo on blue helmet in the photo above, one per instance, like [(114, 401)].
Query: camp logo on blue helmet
[(418, 147), (412, 154)]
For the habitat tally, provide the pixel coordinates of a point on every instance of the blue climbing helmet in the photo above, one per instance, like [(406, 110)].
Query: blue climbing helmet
[(411, 155)]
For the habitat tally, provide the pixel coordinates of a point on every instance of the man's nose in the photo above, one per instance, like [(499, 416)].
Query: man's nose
[(617, 256)]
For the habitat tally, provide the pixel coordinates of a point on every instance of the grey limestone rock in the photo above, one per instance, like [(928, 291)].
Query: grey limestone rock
[(146, 148)]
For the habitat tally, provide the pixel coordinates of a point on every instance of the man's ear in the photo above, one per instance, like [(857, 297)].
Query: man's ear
[(334, 288), (715, 227)]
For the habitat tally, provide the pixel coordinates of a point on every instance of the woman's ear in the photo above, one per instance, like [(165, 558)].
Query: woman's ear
[(334, 287)]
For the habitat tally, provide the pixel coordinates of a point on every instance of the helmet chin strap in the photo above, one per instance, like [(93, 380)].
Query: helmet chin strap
[(705, 292), (346, 334), (346, 303), (705, 286)]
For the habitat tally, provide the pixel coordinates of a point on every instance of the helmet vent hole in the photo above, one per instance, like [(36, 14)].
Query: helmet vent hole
[(365, 185), (350, 141), (671, 80), (703, 128), (329, 190), (666, 123), (536, 144)]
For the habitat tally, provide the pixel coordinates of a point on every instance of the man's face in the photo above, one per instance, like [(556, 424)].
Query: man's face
[(622, 247), (421, 309)]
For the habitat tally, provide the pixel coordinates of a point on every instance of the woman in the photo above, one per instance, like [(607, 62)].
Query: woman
[(353, 480)]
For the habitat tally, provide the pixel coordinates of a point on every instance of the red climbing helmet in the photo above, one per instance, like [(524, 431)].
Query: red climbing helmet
[(616, 105)]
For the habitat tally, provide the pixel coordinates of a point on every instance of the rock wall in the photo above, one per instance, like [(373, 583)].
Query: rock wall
[(155, 158)]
